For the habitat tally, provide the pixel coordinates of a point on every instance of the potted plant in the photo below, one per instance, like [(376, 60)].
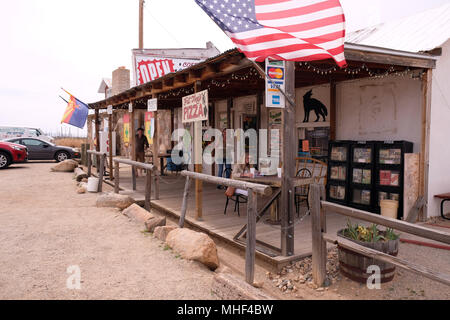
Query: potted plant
[(354, 265)]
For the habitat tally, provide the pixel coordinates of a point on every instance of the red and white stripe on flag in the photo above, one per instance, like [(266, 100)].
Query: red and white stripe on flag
[(294, 30)]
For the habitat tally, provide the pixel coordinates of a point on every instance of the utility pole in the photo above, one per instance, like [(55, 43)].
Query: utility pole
[(141, 24)]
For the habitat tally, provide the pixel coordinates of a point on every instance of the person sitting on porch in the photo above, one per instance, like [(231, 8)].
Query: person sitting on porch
[(240, 170), (141, 144)]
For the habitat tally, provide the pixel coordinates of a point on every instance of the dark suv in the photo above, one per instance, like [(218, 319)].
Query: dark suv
[(12, 153)]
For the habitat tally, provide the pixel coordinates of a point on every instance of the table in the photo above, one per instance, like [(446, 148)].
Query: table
[(276, 183), (161, 157)]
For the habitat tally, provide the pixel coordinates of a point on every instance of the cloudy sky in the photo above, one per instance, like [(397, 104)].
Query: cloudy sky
[(48, 44)]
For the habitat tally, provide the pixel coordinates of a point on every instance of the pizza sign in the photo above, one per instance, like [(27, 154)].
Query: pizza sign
[(195, 107)]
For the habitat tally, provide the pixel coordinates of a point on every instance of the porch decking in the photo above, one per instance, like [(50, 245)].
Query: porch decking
[(225, 227)]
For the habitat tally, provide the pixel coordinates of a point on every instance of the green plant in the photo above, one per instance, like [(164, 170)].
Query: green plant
[(390, 234), (368, 234)]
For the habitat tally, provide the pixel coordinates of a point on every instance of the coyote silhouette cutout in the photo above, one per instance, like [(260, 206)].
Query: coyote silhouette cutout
[(311, 104)]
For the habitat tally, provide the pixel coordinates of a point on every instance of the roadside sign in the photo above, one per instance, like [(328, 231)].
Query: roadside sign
[(152, 105), (195, 107), (275, 70), (109, 110), (130, 107)]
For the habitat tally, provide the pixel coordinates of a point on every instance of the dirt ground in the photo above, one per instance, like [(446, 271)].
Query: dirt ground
[(45, 227)]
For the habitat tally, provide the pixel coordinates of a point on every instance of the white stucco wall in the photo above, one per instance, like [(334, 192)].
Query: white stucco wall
[(379, 109), (439, 155)]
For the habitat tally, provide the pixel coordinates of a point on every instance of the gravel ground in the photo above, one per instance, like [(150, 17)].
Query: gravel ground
[(45, 227), (295, 281)]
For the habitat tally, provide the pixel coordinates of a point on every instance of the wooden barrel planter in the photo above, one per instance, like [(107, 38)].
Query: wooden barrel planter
[(354, 265)]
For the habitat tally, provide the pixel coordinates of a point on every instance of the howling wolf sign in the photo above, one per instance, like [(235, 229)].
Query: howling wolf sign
[(311, 104)]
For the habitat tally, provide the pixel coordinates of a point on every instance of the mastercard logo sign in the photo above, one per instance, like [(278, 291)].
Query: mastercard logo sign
[(276, 73)]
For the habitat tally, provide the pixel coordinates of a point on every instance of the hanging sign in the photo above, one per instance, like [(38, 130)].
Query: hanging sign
[(149, 126), (109, 110), (126, 128), (195, 107), (130, 107), (275, 70), (152, 105)]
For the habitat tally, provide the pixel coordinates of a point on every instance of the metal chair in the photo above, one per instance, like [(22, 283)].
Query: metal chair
[(238, 198), (302, 192)]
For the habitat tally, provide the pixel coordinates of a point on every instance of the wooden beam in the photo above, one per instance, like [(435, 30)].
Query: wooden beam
[(288, 162), (132, 135), (250, 249), (198, 162), (378, 255), (319, 246), (110, 139), (187, 185), (425, 141), (363, 56), (399, 225)]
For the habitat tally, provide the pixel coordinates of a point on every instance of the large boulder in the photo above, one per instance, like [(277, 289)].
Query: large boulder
[(65, 166), (114, 200), (193, 245), (82, 187), (137, 213), (80, 174), (162, 232), (154, 222)]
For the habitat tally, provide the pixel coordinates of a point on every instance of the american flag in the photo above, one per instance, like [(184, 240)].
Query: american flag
[(294, 30)]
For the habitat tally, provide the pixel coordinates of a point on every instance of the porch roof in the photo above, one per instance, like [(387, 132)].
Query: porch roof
[(224, 75)]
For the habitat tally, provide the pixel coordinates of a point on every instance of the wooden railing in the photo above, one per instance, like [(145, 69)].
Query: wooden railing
[(101, 158), (252, 207), (320, 238), (149, 168)]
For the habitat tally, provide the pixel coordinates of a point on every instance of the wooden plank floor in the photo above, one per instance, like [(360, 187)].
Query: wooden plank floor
[(214, 220)]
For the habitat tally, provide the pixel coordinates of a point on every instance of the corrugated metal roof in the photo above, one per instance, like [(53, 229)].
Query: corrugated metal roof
[(421, 32)]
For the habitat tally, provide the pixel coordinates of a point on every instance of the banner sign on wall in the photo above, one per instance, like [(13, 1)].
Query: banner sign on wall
[(149, 126), (152, 105), (195, 107), (149, 68), (126, 128), (275, 70)]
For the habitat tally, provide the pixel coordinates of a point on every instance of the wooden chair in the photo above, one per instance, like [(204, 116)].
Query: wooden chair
[(308, 168)]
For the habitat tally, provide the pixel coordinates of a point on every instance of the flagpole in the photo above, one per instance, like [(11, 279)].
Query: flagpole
[(264, 74), (74, 96), (64, 99)]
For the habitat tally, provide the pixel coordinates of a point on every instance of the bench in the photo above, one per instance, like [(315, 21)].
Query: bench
[(443, 197)]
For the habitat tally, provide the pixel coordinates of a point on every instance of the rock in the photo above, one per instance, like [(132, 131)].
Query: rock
[(320, 289), (65, 166), (82, 188), (137, 213), (154, 222), (162, 232), (193, 245), (258, 284), (114, 200), (223, 269), (80, 174)]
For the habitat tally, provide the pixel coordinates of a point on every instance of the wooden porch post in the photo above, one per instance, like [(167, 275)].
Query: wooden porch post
[(132, 134), (425, 146), (288, 161), (250, 248), (319, 245), (111, 173), (198, 163), (97, 137)]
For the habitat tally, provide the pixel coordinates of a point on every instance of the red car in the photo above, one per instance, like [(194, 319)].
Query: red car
[(12, 153)]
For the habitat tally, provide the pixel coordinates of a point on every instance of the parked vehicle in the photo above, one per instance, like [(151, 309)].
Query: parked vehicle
[(12, 153), (16, 132), (43, 150)]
